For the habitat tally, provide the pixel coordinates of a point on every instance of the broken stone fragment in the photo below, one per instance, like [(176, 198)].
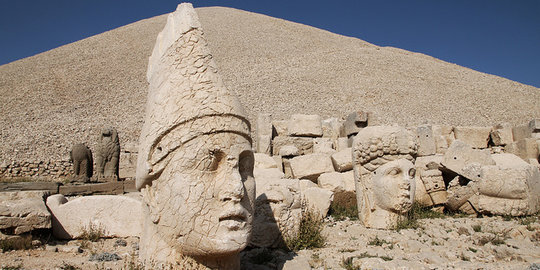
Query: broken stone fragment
[(477, 137), (304, 125), (425, 140), (23, 211), (311, 166)]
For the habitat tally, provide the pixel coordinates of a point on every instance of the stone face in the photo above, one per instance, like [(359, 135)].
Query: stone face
[(277, 211), (107, 153), (83, 163), (384, 174), (23, 211), (342, 160), (462, 159), (425, 140), (311, 166), (355, 122), (303, 144), (305, 125), (264, 133), (195, 163), (502, 134), (477, 137), (114, 216)]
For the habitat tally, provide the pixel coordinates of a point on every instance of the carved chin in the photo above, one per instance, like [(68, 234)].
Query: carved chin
[(404, 205)]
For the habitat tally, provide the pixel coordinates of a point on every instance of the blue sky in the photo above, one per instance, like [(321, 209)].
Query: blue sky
[(500, 37)]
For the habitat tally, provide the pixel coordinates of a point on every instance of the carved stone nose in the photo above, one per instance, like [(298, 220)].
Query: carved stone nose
[(233, 189)]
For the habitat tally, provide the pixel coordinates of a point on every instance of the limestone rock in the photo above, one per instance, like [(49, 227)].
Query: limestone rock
[(264, 133), (462, 159), (323, 146), (318, 200), (444, 136), (264, 161), (342, 160), (331, 128), (342, 143), (477, 137), (23, 211), (525, 148), (280, 127), (521, 132), (502, 134), (355, 122), (113, 215), (305, 125), (425, 140), (337, 182), (108, 154), (303, 144), (311, 166)]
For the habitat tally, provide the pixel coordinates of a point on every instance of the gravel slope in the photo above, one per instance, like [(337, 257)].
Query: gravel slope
[(55, 99)]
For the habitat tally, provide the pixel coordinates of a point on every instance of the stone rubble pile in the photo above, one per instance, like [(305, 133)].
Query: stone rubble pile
[(476, 170)]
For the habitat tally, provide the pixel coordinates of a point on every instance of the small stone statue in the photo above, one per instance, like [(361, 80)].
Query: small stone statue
[(107, 154), (384, 174), (83, 164), (195, 163)]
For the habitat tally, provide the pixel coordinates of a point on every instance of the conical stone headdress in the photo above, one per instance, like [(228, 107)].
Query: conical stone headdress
[(186, 95)]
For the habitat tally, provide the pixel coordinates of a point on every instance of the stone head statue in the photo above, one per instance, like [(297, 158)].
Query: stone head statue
[(195, 163), (383, 166)]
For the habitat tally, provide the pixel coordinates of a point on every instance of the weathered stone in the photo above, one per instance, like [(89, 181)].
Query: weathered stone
[(477, 137), (305, 125), (109, 188), (128, 161), (337, 182), (107, 153), (421, 196), (268, 173), (311, 166), (112, 216), (425, 140), (195, 164), (83, 163), (444, 136), (289, 151), (526, 149), (331, 128), (323, 146), (342, 160), (461, 158), (279, 162), (512, 187), (264, 161), (502, 134), (264, 133), (342, 143), (318, 200), (280, 127), (384, 174), (355, 122), (305, 184), (23, 211), (303, 144), (277, 211), (287, 168), (521, 132), (51, 187), (459, 194)]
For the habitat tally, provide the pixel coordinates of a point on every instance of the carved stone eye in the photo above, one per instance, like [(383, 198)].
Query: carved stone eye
[(412, 173), (394, 171), (212, 160)]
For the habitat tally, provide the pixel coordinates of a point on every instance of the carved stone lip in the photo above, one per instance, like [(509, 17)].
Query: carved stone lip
[(237, 214)]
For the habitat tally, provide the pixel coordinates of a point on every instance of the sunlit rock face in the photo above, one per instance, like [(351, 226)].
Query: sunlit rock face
[(195, 164), (384, 174)]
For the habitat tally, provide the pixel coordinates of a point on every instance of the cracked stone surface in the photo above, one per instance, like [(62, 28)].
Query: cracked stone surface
[(195, 163)]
